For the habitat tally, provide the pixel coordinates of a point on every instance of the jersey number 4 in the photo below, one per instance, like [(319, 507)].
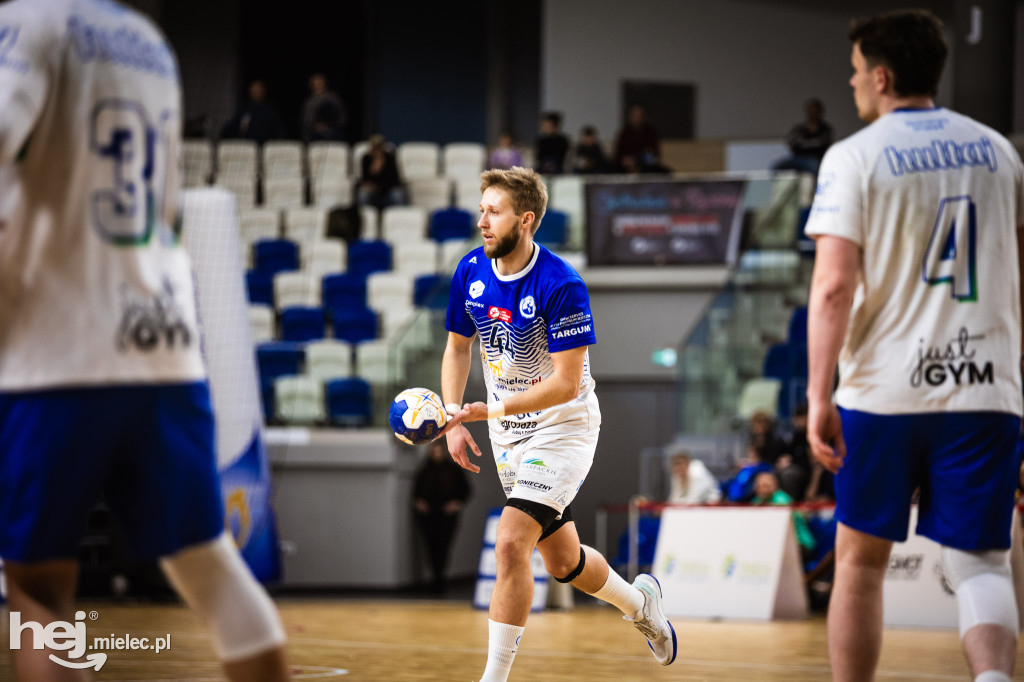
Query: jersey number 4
[(950, 256), (122, 133)]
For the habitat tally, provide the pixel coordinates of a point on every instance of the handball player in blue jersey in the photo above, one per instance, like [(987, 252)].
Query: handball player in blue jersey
[(532, 314)]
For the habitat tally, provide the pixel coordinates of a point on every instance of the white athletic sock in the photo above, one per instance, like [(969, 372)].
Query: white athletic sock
[(621, 594), (502, 644), (992, 676)]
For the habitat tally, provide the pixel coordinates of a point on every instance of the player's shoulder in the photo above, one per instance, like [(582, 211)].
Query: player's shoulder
[(553, 267), (997, 139), (473, 259)]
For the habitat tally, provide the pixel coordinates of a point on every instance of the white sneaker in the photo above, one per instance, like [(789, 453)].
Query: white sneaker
[(651, 621)]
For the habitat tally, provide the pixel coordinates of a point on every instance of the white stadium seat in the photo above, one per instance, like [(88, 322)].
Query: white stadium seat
[(197, 160), (261, 323), (283, 192), (328, 157), (299, 399), (431, 194), (401, 223), (414, 257), (237, 158), (464, 160), (417, 160), (282, 159), (304, 225), (324, 257), (331, 189), (296, 288), (326, 360)]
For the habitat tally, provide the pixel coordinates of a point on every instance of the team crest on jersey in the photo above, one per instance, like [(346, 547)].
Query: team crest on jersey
[(476, 288), (527, 307)]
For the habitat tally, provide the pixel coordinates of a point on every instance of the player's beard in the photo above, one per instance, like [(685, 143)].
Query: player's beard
[(503, 246)]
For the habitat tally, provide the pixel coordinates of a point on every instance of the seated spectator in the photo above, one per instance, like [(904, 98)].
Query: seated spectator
[(505, 155), (766, 491), (762, 437), (257, 119), (638, 147), (691, 483), (808, 141), (589, 157), (552, 145), (379, 183), (323, 112), (740, 488), (794, 465)]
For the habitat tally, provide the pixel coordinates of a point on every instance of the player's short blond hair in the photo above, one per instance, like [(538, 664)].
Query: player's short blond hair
[(525, 189)]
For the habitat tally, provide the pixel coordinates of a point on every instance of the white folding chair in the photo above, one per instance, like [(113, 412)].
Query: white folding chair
[(417, 160)]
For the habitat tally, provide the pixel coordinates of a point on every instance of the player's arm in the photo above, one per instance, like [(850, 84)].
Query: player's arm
[(836, 272), (25, 45), (560, 387), (454, 375)]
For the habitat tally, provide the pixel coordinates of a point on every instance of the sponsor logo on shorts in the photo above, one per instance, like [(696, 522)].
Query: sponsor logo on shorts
[(496, 313), (476, 288), (904, 567), (534, 485), (537, 462), (527, 307), (953, 361), (149, 322)]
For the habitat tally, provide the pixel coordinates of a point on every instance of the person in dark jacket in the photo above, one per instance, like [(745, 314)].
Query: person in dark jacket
[(439, 494)]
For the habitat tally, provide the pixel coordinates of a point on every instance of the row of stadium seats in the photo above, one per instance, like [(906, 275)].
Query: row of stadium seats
[(784, 374)]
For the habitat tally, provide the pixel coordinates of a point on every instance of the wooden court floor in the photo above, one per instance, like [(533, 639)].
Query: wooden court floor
[(394, 641)]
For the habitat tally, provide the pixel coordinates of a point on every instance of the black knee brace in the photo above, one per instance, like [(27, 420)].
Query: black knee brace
[(576, 571)]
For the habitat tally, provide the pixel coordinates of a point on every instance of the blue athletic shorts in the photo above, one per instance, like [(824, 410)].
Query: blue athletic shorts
[(965, 464), (149, 450)]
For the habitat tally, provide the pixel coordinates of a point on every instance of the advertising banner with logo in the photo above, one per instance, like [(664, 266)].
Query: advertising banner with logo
[(487, 568), (670, 222), (729, 563), (210, 234)]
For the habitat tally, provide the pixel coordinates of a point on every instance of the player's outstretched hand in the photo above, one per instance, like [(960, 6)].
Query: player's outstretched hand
[(823, 427), (460, 441)]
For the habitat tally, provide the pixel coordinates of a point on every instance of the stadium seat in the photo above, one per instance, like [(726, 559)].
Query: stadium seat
[(371, 222), (387, 288), (452, 251), (284, 192), (394, 318), (256, 224), (776, 362), (324, 257), (377, 362), (359, 150), (282, 159), (261, 323), (432, 291), (260, 287), (553, 229), (236, 159), (759, 395), (349, 402), (343, 291), (452, 223), (366, 257), (275, 255), (197, 162), (330, 189), (300, 324), (414, 258), (402, 223), (328, 158), (354, 324), (299, 400), (568, 196), (464, 160), (431, 194), (304, 225), (417, 160), (798, 327), (467, 195), (278, 359), (327, 360), (267, 401), (296, 288), (243, 187)]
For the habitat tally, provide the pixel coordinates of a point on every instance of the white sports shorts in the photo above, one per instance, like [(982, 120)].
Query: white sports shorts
[(546, 469)]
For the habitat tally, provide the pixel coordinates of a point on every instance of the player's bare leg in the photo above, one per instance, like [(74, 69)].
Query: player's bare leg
[(270, 666), (855, 610), (42, 592), (990, 647), (589, 572)]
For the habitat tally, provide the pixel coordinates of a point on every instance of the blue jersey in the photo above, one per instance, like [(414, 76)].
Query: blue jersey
[(522, 319)]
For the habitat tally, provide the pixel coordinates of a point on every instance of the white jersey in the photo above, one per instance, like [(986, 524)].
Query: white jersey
[(934, 200), (95, 288)]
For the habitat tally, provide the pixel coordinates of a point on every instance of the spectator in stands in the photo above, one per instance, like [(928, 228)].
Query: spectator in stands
[(692, 483), (379, 183), (763, 439), (638, 147), (822, 485), (809, 140), (323, 113), (506, 154), (257, 119), (740, 488), (794, 464), (766, 491), (552, 145), (589, 157), (440, 491)]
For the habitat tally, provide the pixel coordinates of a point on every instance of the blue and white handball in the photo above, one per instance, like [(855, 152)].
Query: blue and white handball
[(417, 415)]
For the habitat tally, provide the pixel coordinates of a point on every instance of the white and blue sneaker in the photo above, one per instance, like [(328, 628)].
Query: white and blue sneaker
[(651, 621)]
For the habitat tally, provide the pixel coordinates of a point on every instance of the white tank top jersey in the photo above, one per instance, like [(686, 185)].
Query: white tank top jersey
[(95, 287), (934, 199)]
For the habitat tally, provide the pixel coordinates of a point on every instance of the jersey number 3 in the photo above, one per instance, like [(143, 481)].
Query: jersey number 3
[(950, 256)]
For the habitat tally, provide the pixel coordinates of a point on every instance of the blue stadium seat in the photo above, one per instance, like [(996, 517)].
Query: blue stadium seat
[(260, 287), (278, 359), (553, 231), (275, 255), (349, 402), (343, 291), (267, 395), (366, 257), (354, 324), (776, 363), (301, 324), (451, 223), (798, 327), (431, 291)]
